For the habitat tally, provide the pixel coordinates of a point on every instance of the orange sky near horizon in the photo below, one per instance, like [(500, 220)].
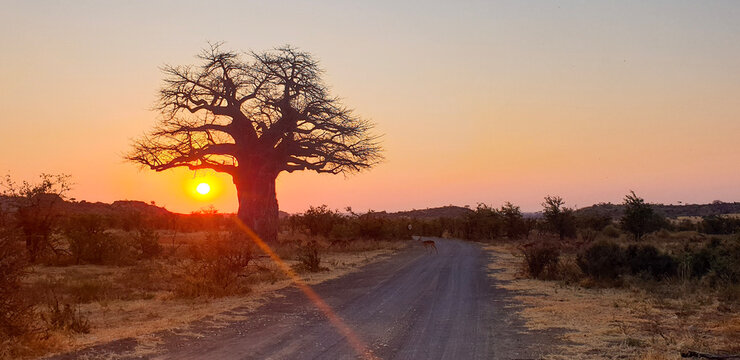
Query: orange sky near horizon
[(478, 102)]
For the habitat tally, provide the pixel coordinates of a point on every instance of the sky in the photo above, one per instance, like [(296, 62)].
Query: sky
[(477, 101)]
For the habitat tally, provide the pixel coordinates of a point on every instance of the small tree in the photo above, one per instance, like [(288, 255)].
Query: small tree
[(483, 223), (320, 220), (514, 224), (639, 217), (36, 209), (603, 260), (559, 218)]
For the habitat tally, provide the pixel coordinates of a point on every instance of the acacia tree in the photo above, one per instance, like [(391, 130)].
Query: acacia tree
[(639, 217), (254, 116), (558, 217)]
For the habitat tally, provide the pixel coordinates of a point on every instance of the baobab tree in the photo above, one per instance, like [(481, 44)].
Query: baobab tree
[(253, 116)]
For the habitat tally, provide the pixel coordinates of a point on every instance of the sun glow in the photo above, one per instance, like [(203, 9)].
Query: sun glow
[(203, 188)]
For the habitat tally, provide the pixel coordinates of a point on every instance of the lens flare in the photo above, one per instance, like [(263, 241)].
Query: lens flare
[(358, 345), (203, 188)]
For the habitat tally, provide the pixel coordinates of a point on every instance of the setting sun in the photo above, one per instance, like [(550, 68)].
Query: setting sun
[(203, 188)]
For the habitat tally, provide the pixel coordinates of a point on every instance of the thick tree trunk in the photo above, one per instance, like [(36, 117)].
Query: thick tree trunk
[(258, 206)]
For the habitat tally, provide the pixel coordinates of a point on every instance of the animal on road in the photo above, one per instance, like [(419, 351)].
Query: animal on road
[(429, 244)]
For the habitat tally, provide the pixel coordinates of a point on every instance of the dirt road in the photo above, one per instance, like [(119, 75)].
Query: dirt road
[(414, 305)]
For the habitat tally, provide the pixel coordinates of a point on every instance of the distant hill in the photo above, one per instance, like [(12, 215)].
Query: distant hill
[(100, 208), (117, 207), (612, 210), (671, 211), (449, 211)]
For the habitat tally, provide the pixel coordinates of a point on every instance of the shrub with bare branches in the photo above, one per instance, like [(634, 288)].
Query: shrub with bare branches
[(36, 210), (213, 268), (540, 258), (15, 310)]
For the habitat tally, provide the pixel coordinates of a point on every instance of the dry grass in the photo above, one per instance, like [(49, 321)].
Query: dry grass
[(134, 301), (619, 323)]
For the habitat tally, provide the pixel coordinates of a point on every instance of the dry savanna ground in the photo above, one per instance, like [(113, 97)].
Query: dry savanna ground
[(635, 319), (114, 302)]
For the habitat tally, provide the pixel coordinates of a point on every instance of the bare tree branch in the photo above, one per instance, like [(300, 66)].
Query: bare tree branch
[(262, 112)]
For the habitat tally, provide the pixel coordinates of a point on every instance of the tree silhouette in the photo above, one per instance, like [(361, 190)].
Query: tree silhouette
[(639, 217), (36, 207), (558, 217), (254, 116)]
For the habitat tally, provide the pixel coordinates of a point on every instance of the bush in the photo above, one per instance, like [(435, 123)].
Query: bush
[(611, 231), (567, 271), (514, 224), (647, 260), (15, 311), (720, 260), (320, 220), (541, 258), (593, 221), (146, 241), (342, 232), (686, 225), (215, 266), (590, 225), (91, 243), (719, 225), (559, 218), (89, 290), (37, 211), (309, 257), (603, 260), (485, 223), (65, 318)]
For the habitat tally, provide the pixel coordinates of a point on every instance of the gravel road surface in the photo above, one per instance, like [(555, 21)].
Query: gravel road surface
[(414, 305)]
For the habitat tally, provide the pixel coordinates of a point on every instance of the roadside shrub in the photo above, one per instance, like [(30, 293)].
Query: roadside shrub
[(485, 223), (602, 260), (647, 260), (714, 224), (719, 260), (91, 243), (146, 241), (372, 226), (208, 278), (89, 290), (593, 221), (558, 218), (514, 224), (64, 317), (540, 258), (730, 293), (215, 266), (15, 310), (37, 211), (611, 231), (686, 225), (342, 232), (588, 235), (309, 257), (567, 271), (320, 220)]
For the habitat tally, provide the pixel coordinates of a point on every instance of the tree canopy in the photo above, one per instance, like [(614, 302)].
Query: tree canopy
[(267, 110)]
